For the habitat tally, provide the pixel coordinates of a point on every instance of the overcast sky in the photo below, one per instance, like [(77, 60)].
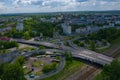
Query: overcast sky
[(28, 6)]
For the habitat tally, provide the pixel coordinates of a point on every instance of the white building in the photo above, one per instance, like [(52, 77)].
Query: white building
[(19, 27), (80, 30), (117, 22), (66, 29), (111, 24)]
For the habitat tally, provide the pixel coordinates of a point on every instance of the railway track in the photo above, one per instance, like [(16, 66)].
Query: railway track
[(91, 72), (116, 53)]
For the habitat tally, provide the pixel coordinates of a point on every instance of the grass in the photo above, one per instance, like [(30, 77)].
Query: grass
[(98, 77), (25, 70), (39, 73), (25, 49), (71, 37), (5, 51), (37, 63), (69, 69)]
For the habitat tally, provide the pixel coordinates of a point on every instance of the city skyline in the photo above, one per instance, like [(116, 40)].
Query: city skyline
[(31, 6)]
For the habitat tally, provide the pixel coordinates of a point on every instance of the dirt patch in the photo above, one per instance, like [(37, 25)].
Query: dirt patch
[(37, 63)]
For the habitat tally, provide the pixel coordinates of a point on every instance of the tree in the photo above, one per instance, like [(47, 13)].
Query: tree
[(41, 47), (104, 42), (27, 35), (92, 45), (7, 45), (48, 68), (81, 44), (20, 60), (111, 71), (68, 56), (12, 72), (1, 69)]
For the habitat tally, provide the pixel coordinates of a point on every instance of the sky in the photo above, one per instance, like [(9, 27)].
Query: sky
[(31, 6)]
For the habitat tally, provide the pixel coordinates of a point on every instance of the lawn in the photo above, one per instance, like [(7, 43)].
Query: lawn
[(5, 51), (25, 49), (98, 77), (37, 63), (70, 68)]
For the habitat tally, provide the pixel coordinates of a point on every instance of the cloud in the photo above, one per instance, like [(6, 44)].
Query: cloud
[(42, 2), (82, 0), (111, 0), (57, 5), (26, 2), (2, 6)]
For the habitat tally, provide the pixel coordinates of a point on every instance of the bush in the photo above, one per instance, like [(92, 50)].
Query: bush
[(81, 44), (48, 68)]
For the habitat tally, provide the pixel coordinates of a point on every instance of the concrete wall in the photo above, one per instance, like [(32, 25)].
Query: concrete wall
[(8, 57)]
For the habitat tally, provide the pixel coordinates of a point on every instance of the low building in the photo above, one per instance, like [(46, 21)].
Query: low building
[(117, 22), (111, 24), (8, 57), (81, 30), (5, 29), (5, 39)]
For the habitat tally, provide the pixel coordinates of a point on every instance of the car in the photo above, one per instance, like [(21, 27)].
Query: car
[(32, 76)]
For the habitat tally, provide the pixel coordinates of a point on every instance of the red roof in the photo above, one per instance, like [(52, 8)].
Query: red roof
[(5, 39)]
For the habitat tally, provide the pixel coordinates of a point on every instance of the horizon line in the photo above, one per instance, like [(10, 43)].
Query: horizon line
[(58, 12)]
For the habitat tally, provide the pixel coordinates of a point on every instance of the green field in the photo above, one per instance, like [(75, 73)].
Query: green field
[(98, 77), (69, 69)]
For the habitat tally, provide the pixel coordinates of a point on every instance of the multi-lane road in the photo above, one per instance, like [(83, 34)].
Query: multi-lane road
[(81, 53)]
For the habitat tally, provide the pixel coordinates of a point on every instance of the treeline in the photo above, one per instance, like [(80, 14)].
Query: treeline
[(12, 71), (110, 71), (109, 34), (7, 45), (33, 27), (46, 28)]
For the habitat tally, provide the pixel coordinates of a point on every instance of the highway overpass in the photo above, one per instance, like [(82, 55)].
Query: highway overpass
[(36, 43), (81, 53)]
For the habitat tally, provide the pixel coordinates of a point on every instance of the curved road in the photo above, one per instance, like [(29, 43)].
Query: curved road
[(76, 52), (53, 72)]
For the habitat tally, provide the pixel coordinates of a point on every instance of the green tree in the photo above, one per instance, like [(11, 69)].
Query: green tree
[(48, 68), (41, 47), (104, 42), (68, 56), (27, 35), (20, 60), (92, 45), (111, 71), (12, 72), (81, 44)]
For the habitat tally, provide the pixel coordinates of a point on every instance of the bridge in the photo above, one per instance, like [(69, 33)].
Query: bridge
[(80, 53), (36, 43)]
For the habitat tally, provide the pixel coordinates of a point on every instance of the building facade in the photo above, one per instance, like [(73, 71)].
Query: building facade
[(66, 29)]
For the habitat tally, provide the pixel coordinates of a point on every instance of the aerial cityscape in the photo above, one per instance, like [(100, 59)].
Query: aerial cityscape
[(60, 40)]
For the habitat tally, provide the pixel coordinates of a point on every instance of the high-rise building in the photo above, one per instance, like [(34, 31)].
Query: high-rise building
[(66, 28)]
